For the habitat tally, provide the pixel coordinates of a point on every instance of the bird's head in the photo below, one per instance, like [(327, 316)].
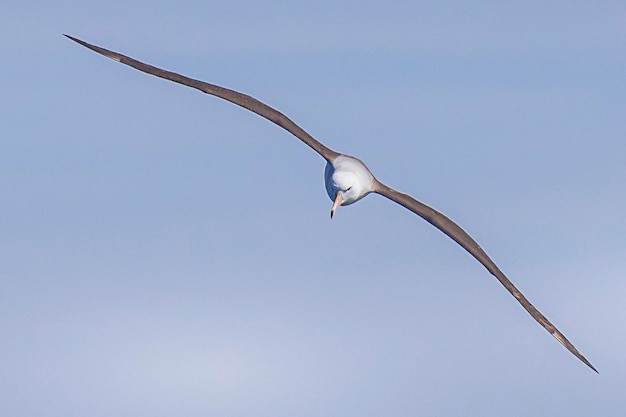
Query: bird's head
[(347, 180)]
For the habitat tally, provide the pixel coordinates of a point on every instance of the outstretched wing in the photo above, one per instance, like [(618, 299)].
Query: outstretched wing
[(239, 99), (451, 229)]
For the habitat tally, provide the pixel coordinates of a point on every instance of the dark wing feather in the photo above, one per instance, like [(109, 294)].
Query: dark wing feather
[(451, 229), (239, 99)]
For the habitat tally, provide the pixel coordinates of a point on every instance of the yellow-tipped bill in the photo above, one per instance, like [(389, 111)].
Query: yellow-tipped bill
[(337, 203)]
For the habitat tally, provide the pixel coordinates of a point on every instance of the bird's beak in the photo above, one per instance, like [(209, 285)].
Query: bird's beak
[(337, 203)]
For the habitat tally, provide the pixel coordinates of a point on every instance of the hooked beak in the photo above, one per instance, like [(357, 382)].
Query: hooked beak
[(336, 203)]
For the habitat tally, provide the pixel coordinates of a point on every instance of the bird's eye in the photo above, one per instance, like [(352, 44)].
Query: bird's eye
[(349, 188)]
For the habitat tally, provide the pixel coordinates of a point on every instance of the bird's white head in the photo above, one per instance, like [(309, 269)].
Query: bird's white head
[(347, 181)]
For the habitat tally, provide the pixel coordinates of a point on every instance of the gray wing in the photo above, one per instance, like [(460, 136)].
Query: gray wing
[(451, 229), (239, 99)]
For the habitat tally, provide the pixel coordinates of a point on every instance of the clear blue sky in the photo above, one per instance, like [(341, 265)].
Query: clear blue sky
[(165, 253)]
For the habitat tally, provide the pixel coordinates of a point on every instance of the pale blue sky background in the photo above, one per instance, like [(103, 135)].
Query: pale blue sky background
[(165, 253)]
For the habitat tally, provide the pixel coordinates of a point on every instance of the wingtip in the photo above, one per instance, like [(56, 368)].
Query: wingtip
[(81, 42), (586, 362), (568, 345), (73, 38), (109, 54)]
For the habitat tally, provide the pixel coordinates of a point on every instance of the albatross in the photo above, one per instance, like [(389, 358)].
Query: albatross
[(347, 180)]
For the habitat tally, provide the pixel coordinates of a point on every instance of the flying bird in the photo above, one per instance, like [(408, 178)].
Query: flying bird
[(348, 180)]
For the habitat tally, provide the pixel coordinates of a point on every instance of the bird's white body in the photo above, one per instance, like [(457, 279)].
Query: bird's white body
[(349, 177)]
